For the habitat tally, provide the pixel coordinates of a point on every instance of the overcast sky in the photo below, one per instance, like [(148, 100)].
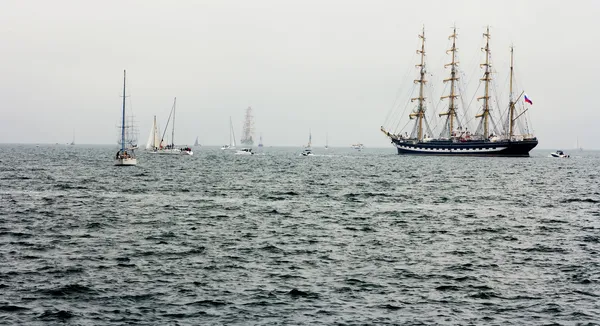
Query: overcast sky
[(330, 66)]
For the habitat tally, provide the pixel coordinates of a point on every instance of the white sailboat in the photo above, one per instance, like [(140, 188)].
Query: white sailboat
[(125, 156), (231, 137), (308, 149), (170, 149), (260, 143), (73, 142), (196, 142), (153, 142)]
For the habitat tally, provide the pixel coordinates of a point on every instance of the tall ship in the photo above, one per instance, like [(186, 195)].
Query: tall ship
[(248, 129), (500, 131)]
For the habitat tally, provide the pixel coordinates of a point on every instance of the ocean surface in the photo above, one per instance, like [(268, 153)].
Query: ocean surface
[(340, 238)]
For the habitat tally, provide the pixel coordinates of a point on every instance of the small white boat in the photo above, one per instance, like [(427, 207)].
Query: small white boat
[(245, 151), (308, 148), (358, 146), (125, 156), (307, 152), (173, 151), (231, 137), (559, 154)]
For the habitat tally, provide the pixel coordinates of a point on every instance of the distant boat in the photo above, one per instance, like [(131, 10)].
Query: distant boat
[(245, 151), (578, 147), (308, 148), (358, 146), (125, 156), (260, 143), (73, 141), (171, 149), (231, 137), (559, 154), (248, 129), (326, 141), (196, 142)]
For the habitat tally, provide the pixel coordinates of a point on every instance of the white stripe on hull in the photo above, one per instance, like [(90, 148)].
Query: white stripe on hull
[(473, 150)]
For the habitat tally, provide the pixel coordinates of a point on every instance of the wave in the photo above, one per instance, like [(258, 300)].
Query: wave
[(71, 289)]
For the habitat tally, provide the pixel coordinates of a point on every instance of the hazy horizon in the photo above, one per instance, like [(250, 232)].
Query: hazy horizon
[(332, 67)]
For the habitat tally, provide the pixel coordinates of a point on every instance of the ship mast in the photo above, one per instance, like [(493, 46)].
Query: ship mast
[(420, 114), (173, 126), (486, 79), (510, 98), (123, 117), (451, 113)]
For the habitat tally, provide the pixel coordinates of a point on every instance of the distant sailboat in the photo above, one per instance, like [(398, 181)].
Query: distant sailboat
[(308, 149), (153, 142), (73, 142), (196, 142), (125, 156), (231, 137), (260, 143), (170, 149), (577, 146), (326, 141)]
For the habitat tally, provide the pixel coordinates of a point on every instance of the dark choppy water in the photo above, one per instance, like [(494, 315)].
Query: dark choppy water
[(350, 238)]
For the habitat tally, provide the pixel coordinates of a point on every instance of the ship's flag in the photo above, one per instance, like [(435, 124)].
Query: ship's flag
[(528, 100)]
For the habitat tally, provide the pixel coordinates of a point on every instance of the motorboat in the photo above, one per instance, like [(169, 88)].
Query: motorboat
[(307, 152), (559, 154), (244, 151)]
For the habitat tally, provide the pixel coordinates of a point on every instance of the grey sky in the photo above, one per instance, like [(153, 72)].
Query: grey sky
[(329, 66)]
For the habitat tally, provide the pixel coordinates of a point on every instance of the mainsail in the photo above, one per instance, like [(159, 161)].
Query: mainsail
[(248, 131), (154, 138)]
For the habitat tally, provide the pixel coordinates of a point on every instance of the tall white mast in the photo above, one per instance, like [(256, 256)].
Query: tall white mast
[(486, 79), (420, 114)]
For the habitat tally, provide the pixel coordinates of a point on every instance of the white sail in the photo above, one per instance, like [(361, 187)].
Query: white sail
[(153, 138), (232, 135)]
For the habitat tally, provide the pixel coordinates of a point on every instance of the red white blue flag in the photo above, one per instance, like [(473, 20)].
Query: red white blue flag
[(528, 100)]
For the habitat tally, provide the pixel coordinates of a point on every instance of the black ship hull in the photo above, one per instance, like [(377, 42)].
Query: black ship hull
[(467, 148)]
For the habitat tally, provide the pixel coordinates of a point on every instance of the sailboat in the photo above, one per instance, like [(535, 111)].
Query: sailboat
[(308, 148), (196, 144), (326, 141), (73, 141), (125, 156), (260, 143), (153, 142), (455, 138), (170, 149), (231, 137), (578, 147)]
